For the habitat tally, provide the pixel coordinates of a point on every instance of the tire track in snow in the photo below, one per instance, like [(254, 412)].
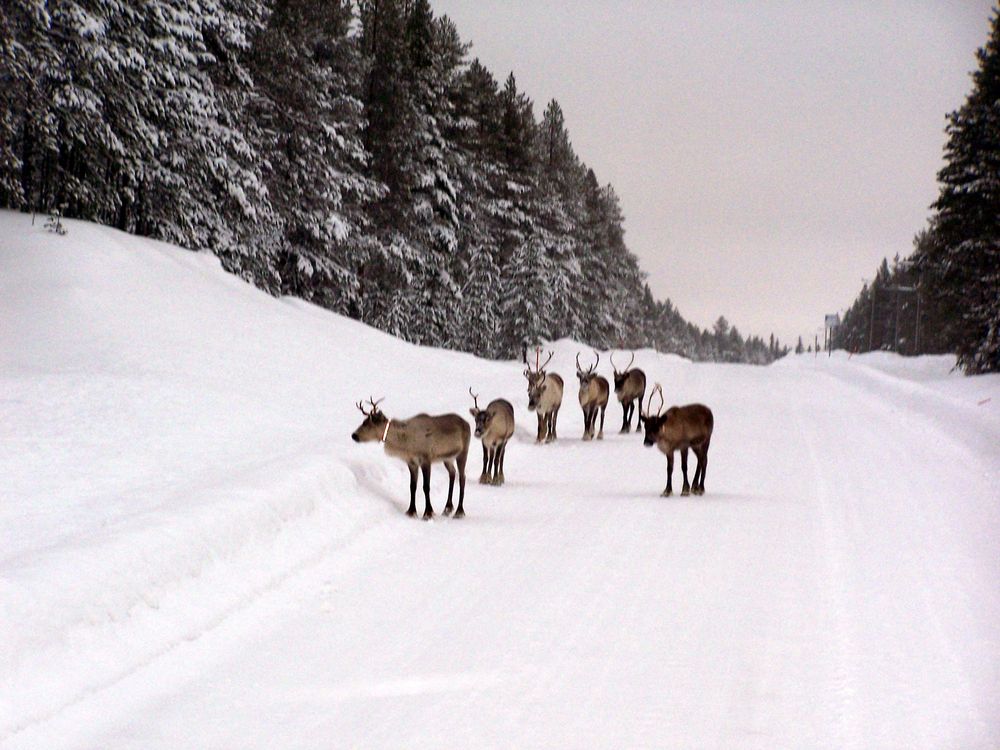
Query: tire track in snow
[(844, 677)]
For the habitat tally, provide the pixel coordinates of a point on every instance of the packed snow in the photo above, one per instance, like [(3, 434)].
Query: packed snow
[(194, 554)]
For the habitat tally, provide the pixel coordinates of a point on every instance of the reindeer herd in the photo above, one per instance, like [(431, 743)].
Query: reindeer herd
[(423, 440)]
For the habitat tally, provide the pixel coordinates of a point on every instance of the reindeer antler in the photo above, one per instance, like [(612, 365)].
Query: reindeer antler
[(596, 354), (475, 398), (578, 368), (617, 371), (657, 388), (374, 406), (539, 369)]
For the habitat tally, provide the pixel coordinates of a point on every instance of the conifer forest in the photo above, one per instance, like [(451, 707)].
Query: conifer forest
[(945, 297), (348, 153)]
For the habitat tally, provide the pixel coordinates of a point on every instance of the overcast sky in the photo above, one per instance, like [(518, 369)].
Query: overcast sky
[(767, 154)]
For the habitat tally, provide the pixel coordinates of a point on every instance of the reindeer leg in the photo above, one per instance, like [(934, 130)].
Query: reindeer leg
[(484, 477), (428, 510), (600, 435), (625, 416), (554, 415), (498, 478), (542, 425), (669, 490), (412, 510), (460, 510), (451, 486), (702, 466), (686, 489)]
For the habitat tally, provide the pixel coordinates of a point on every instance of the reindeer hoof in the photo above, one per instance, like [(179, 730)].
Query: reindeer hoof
[(699, 491), (428, 516), (447, 510), (411, 512), (624, 431), (459, 513), (600, 436), (666, 493), (499, 481), (484, 479), (686, 492)]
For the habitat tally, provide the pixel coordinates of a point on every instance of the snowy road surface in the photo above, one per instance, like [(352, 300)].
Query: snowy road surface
[(194, 554)]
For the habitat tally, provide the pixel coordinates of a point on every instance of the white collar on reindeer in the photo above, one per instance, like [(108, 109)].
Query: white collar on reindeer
[(387, 423)]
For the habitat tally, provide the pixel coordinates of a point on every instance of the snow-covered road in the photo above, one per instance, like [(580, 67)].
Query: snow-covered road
[(837, 586)]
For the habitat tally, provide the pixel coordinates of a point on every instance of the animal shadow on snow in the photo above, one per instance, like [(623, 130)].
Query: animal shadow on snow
[(709, 498)]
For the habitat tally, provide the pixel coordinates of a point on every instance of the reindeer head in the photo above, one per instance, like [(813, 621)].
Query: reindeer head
[(621, 376), (482, 417), (652, 422), (373, 428), (586, 376), (536, 381)]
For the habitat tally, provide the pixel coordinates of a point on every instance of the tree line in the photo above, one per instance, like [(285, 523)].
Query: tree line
[(946, 296), (348, 153)]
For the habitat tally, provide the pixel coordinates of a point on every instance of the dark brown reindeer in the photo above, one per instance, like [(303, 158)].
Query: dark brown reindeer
[(545, 392), (630, 388), (681, 427), (421, 441), (593, 397), (494, 425)]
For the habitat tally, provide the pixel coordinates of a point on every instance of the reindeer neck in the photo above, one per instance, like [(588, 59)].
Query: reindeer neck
[(396, 435)]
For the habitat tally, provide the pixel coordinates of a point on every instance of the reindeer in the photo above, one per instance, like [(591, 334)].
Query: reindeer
[(630, 388), (681, 427), (545, 392), (421, 441), (495, 425), (593, 396)]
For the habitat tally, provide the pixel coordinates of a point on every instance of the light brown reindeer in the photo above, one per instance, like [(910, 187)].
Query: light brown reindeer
[(630, 388), (593, 397), (494, 425), (421, 441), (545, 392), (681, 427)]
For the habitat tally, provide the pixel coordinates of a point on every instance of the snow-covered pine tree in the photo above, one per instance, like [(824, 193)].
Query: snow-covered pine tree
[(480, 313), (962, 265), (308, 118), (526, 296)]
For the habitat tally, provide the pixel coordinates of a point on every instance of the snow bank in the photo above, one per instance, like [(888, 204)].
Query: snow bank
[(173, 441)]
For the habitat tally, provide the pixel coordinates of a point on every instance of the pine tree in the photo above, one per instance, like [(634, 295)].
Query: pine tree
[(963, 263), (480, 306), (309, 119)]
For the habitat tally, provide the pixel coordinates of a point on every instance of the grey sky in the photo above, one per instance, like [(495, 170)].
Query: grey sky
[(767, 154)]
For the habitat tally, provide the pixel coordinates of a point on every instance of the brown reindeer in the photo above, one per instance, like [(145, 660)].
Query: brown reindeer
[(593, 397), (545, 392), (681, 427), (495, 425), (630, 388), (421, 441)]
